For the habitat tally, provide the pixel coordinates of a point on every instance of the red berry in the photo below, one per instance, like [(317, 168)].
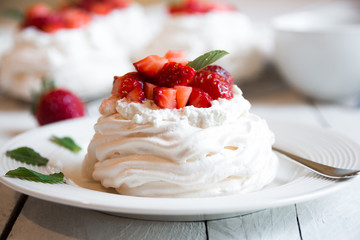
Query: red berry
[(136, 94), (58, 104), (37, 10), (165, 97), (124, 84), (173, 74), (75, 17), (101, 8), (149, 90), (182, 95), (53, 23), (150, 65), (190, 7), (199, 98), (221, 71), (178, 56), (119, 3), (212, 83)]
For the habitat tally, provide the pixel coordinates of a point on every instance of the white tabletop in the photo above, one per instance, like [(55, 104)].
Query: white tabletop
[(335, 216)]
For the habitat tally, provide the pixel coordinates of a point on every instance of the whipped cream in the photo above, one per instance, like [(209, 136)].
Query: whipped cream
[(143, 151), (199, 33), (77, 59)]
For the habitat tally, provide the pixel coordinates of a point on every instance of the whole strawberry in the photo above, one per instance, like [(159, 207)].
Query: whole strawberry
[(56, 104)]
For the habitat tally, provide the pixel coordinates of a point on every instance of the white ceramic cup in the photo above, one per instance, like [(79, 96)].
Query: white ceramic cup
[(319, 55)]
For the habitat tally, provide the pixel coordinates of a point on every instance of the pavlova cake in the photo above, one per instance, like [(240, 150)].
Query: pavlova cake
[(199, 26), (174, 128), (74, 45)]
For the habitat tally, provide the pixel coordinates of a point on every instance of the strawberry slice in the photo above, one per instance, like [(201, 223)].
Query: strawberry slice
[(136, 94), (182, 95), (149, 90), (150, 65), (178, 56), (173, 74), (212, 83), (221, 71), (199, 98), (165, 97), (123, 85)]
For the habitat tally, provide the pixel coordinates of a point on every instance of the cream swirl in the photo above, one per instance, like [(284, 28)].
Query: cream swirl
[(176, 158)]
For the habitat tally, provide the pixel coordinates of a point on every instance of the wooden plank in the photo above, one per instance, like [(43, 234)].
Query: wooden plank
[(336, 216), (8, 201), (45, 220), (332, 217), (277, 223)]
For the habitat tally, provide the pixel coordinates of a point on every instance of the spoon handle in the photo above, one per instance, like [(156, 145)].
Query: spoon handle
[(319, 168)]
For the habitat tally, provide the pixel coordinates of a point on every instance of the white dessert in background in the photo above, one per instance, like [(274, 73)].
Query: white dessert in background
[(82, 59), (197, 33), (146, 144)]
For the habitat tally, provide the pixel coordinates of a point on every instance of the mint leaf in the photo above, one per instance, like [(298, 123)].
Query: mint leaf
[(67, 143), (13, 13), (206, 59), (27, 155), (31, 175)]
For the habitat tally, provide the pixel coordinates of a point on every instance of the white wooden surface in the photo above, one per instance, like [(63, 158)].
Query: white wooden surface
[(336, 216)]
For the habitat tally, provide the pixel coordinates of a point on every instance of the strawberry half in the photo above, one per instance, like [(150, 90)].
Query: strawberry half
[(199, 98), (182, 95), (212, 83), (150, 65), (165, 97), (123, 85), (56, 105), (221, 71), (173, 74)]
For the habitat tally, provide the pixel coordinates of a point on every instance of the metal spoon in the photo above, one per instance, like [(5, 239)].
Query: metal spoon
[(324, 170)]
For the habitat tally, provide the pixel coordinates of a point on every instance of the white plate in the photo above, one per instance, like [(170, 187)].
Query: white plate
[(293, 183)]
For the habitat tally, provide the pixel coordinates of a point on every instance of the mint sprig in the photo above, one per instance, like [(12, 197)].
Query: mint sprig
[(206, 59), (67, 143), (13, 13), (27, 155), (31, 175)]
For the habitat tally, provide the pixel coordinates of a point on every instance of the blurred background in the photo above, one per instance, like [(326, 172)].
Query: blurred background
[(278, 41)]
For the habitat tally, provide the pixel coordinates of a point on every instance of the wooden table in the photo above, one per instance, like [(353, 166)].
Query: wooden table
[(335, 216)]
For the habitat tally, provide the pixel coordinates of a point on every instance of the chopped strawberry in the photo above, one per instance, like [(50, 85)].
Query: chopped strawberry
[(182, 95), (221, 71), (178, 56), (189, 7), (199, 98), (101, 8), (136, 94), (56, 105), (119, 3), (173, 74), (212, 83), (37, 10), (51, 23), (165, 97), (75, 17), (124, 84), (149, 90), (150, 65)]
